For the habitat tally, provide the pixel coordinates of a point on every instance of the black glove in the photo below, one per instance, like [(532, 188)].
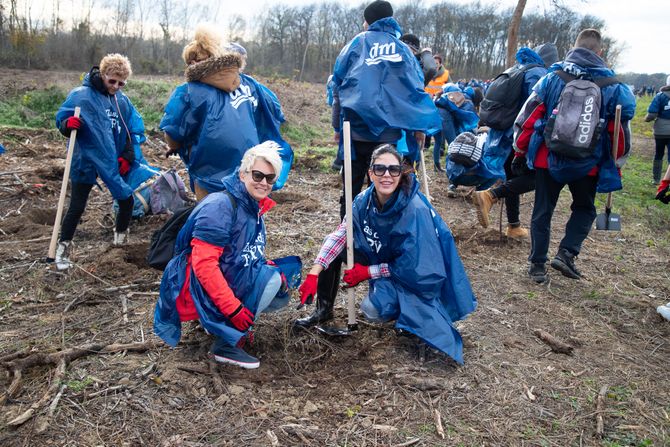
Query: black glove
[(520, 166), (664, 192), (128, 153)]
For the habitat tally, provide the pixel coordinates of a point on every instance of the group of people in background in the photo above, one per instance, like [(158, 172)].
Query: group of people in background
[(225, 126)]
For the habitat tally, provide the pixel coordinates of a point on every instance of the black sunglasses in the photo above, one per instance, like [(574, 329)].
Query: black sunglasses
[(393, 170), (114, 81), (258, 177)]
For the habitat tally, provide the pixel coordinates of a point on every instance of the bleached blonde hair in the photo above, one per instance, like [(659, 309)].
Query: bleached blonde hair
[(267, 151), (116, 64), (205, 44)]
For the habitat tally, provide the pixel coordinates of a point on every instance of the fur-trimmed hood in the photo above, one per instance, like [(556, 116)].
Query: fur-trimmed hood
[(208, 70)]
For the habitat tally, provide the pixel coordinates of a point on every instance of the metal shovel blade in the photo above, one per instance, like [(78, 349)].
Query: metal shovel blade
[(608, 221), (334, 331)]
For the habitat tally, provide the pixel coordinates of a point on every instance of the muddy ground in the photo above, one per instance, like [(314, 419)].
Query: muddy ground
[(371, 389)]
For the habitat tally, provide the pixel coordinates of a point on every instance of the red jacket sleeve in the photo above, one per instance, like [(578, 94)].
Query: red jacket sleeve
[(524, 125), (621, 150), (205, 263)]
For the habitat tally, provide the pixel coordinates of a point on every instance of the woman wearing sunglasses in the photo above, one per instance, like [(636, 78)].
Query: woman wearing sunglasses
[(219, 273), (406, 252), (110, 131)]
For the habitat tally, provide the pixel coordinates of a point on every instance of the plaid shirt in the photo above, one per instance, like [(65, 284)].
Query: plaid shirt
[(334, 244)]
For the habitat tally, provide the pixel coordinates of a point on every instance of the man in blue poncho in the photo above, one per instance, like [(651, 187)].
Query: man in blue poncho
[(110, 131), (584, 176), (212, 120), (378, 88), (498, 153)]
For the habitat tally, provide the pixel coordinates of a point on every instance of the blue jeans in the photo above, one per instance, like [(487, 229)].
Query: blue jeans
[(583, 213), (269, 301), (448, 133), (370, 312)]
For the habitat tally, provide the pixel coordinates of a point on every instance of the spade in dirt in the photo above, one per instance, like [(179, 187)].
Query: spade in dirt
[(608, 220)]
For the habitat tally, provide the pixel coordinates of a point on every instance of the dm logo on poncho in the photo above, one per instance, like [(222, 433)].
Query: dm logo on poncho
[(383, 52), (242, 94)]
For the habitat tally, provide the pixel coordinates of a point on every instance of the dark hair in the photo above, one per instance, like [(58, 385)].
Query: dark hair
[(590, 39), (386, 148), (437, 56), (411, 40)]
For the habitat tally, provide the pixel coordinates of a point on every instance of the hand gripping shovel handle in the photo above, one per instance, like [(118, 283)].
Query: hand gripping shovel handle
[(351, 309), (615, 148), (63, 191)]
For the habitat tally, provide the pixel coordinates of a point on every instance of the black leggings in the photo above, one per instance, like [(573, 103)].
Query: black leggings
[(661, 144), (78, 199)]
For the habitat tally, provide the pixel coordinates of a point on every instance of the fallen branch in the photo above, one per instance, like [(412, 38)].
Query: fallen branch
[(438, 424), (600, 408), (555, 344), (408, 443)]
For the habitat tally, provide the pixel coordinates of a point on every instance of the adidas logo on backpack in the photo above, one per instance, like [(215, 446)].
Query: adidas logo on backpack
[(575, 125)]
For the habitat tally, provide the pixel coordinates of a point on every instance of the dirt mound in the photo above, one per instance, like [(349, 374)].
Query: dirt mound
[(32, 222)]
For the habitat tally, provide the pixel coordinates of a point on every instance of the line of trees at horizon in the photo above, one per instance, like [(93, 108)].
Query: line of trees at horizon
[(296, 41)]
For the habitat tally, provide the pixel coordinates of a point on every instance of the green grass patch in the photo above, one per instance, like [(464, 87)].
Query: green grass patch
[(35, 108), (149, 98), (637, 124), (636, 203), (301, 135)]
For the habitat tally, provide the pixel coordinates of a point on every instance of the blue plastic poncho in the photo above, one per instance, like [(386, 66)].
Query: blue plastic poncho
[(580, 61), (380, 85), (103, 135), (215, 128), (241, 232), (428, 288)]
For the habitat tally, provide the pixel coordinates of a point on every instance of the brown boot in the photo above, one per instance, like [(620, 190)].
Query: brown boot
[(483, 201), (516, 232)]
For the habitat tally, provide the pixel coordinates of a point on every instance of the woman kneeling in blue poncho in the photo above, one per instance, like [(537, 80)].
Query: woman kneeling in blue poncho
[(219, 273), (406, 251)]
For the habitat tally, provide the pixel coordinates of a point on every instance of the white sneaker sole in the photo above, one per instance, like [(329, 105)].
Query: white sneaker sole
[(245, 365)]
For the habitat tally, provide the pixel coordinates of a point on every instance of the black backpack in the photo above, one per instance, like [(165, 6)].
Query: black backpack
[(502, 101), (161, 248)]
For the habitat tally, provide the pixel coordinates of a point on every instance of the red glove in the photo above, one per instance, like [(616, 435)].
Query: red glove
[(242, 318), (308, 289), (124, 166), (72, 123), (664, 191), (356, 274)]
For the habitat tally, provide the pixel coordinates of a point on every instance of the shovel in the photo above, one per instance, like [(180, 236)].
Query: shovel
[(51, 256), (352, 326), (609, 221)]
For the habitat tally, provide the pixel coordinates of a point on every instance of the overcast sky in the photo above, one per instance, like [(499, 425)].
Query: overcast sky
[(641, 25)]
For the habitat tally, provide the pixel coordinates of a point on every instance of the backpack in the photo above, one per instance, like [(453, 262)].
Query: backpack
[(161, 247), (502, 101), (167, 193), (466, 149), (576, 124)]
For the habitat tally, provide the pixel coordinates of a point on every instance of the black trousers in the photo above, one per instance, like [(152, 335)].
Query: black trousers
[(512, 189), (78, 199), (583, 213), (661, 144)]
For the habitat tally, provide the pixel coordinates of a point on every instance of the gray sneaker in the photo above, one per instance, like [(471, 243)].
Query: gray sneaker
[(63, 255), (538, 272)]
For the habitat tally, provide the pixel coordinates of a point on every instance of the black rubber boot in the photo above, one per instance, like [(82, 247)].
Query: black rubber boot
[(657, 171), (326, 292)]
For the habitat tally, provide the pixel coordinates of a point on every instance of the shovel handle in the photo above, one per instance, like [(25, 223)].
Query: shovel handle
[(348, 197), (63, 191)]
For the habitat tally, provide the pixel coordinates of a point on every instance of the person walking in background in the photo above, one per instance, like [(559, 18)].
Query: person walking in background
[(593, 171), (441, 77), (109, 131), (378, 88), (532, 65), (659, 113)]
